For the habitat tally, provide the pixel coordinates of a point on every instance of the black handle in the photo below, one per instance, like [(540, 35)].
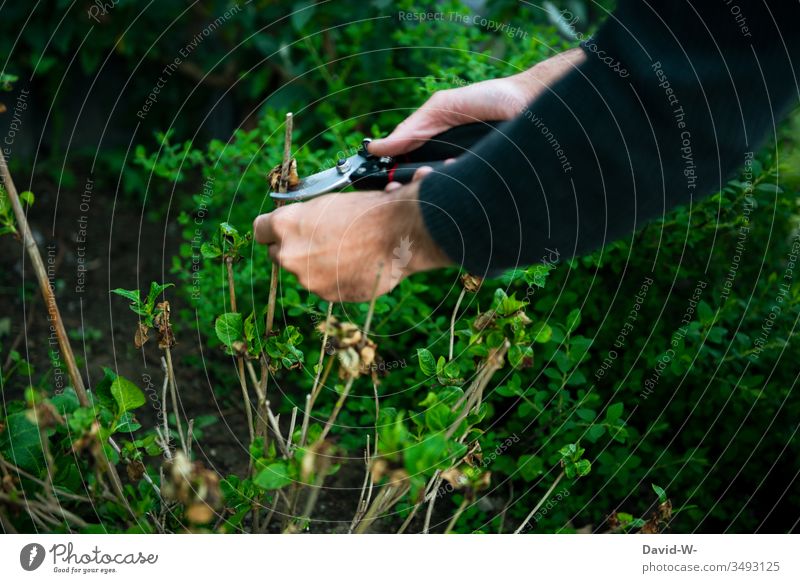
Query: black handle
[(451, 143), (377, 176), (377, 172)]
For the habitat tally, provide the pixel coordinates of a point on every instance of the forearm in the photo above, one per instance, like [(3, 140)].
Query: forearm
[(597, 155)]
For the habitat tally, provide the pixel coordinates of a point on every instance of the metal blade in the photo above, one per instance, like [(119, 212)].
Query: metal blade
[(321, 182)]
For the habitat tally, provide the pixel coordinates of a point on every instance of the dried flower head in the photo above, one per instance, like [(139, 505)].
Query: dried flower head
[(471, 283), (274, 176), (194, 486), (357, 354)]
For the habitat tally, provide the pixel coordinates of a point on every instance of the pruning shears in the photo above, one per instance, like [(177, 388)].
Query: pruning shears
[(365, 171)]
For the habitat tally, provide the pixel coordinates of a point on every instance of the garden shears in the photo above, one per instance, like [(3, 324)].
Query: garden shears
[(365, 171)]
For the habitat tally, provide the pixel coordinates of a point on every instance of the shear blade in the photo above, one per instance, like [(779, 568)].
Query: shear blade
[(321, 182)]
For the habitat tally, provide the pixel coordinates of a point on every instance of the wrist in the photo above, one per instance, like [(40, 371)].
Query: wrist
[(405, 222), (538, 78)]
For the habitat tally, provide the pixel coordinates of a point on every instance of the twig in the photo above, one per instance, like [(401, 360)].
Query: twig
[(166, 437), (539, 505), (429, 512), (336, 409), (304, 426), (389, 496), (291, 430), (453, 322), (340, 402), (282, 187), (456, 516), (5, 523), (363, 503), (311, 397), (44, 284), (189, 437), (273, 280), (248, 409), (63, 493), (173, 389), (474, 393), (277, 430)]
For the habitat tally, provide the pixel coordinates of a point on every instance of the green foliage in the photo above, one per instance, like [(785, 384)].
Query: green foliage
[(691, 400), (146, 308)]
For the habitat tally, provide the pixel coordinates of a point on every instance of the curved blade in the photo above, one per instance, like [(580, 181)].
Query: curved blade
[(321, 182)]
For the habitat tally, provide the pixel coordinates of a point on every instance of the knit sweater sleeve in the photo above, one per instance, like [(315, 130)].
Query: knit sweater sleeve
[(669, 100)]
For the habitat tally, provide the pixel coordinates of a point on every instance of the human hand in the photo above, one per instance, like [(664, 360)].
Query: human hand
[(493, 100), (338, 243)]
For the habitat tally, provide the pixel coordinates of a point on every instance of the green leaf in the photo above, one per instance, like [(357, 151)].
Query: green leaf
[(573, 320), (127, 395), (273, 477), (302, 13), (103, 388), (156, 289), (530, 467), (542, 333), (427, 362), (229, 328), (660, 492), (131, 294), (437, 418), (583, 467), (427, 455), (229, 230), (595, 432), (614, 412), (21, 443), (210, 250), (705, 312), (27, 197), (66, 402), (520, 356), (507, 305)]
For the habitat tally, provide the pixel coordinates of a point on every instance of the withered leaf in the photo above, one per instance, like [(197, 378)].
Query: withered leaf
[(141, 335)]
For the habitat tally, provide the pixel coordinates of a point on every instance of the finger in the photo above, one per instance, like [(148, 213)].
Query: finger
[(264, 229), (393, 185), (274, 253), (421, 173), (449, 161), (415, 130)]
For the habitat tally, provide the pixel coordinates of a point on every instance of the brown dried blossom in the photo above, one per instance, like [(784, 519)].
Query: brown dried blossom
[(471, 283), (357, 354), (274, 176), (194, 486)]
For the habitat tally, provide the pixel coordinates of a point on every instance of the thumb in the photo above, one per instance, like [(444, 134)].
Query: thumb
[(410, 134)]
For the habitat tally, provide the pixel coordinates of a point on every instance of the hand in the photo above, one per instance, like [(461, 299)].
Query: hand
[(494, 100), (336, 244)]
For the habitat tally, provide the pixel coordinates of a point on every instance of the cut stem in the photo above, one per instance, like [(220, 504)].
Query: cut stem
[(539, 505), (453, 322), (44, 284), (248, 408), (173, 389)]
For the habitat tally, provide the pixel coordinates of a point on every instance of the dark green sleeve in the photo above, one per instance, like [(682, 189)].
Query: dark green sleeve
[(669, 101)]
